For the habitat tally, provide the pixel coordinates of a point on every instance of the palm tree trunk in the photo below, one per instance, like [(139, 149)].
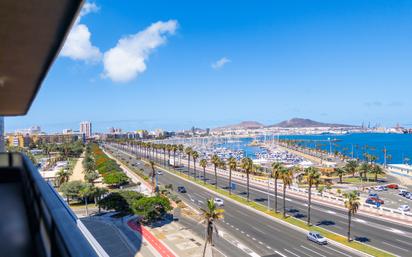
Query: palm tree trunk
[(276, 195), (230, 181), (204, 175), (188, 166), (204, 248), (309, 202), (215, 177), (349, 221), (87, 209), (284, 201), (194, 169), (247, 186), (340, 179)]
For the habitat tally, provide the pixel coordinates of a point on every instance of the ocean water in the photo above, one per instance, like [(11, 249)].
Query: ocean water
[(398, 146)]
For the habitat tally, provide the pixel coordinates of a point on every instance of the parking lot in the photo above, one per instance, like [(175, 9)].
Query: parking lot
[(391, 198)]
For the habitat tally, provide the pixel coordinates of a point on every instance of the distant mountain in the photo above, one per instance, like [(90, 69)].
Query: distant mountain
[(306, 123), (244, 125)]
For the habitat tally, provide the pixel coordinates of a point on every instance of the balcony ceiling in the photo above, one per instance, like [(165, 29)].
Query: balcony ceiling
[(31, 35)]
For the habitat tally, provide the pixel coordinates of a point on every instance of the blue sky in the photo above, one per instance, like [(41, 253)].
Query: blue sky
[(175, 64)]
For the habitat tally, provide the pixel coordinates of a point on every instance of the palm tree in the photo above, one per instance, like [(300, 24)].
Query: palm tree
[(203, 164), (195, 155), (363, 170), (216, 162), (153, 175), (351, 167), (352, 203), (340, 172), (247, 166), (188, 151), (85, 193), (287, 176), (232, 163), (377, 170), (63, 176), (180, 148), (211, 214), (312, 176), (174, 150), (276, 169)]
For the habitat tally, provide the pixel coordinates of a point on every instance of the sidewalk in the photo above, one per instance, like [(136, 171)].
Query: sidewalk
[(78, 170)]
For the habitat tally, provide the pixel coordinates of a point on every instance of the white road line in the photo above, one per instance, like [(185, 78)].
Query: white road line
[(331, 212), (408, 243), (397, 231), (359, 220), (312, 251), (330, 248), (280, 253), (400, 248), (260, 242), (291, 252)]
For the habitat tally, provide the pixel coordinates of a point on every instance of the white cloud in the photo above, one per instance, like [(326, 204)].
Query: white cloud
[(78, 45), (220, 63), (127, 59)]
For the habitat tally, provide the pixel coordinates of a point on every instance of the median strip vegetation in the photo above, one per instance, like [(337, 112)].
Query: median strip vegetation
[(291, 220)]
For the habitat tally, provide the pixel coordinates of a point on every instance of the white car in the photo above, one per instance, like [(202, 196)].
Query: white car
[(317, 238), (218, 202), (159, 172), (404, 208), (379, 188)]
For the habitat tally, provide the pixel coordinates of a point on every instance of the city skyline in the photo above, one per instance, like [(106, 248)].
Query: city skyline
[(223, 64)]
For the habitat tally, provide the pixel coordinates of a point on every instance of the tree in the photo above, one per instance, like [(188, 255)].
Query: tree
[(339, 172), (91, 176), (188, 152), (287, 176), (153, 175), (376, 170), (211, 214), (277, 168), (203, 164), (216, 162), (151, 208), (312, 176), (352, 203), (232, 163), (195, 155), (85, 193), (115, 179), (63, 176), (363, 170), (351, 167), (247, 166), (72, 189), (120, 201)]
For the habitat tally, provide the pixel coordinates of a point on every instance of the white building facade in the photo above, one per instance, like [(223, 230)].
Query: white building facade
[(86, 129)]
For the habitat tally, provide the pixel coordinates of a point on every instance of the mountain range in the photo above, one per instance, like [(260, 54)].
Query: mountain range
[(292, 123)]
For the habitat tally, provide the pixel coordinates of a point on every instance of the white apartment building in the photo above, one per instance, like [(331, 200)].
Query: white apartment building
[(86, 129)]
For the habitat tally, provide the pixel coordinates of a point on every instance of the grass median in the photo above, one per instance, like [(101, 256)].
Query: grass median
[(291, 220)]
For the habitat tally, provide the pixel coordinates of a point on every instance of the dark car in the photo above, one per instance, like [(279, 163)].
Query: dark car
[(370, 201), (181, 189)]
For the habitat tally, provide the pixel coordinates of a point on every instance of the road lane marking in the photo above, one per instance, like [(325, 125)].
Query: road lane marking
[(330, 212), (330, 248), (312, 251), (360, 220), (286, 250), (280, 253), (408, 243), (400, 248)]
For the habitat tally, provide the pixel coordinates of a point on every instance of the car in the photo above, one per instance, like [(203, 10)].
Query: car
[(374, 195), (408, 195), (377, 200), (317, 238), (402, 192), (159, 172), (392, 186), (404, 208), (219, 202), (181, 189), (370, 201), (380, 188)]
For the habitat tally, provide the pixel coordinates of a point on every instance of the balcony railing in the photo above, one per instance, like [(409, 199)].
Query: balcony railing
[(34, 219)]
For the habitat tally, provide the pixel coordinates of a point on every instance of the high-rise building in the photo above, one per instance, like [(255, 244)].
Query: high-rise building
[(86, 128), (1, 134)]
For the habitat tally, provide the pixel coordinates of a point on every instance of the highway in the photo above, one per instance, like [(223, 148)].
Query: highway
[(390, 236), (257, 234)]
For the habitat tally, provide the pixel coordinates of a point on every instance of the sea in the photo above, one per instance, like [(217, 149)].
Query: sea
[(398, 146)]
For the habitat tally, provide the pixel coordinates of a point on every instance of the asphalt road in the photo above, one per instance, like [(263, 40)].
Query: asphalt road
[(390, 236), (259, 234)]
